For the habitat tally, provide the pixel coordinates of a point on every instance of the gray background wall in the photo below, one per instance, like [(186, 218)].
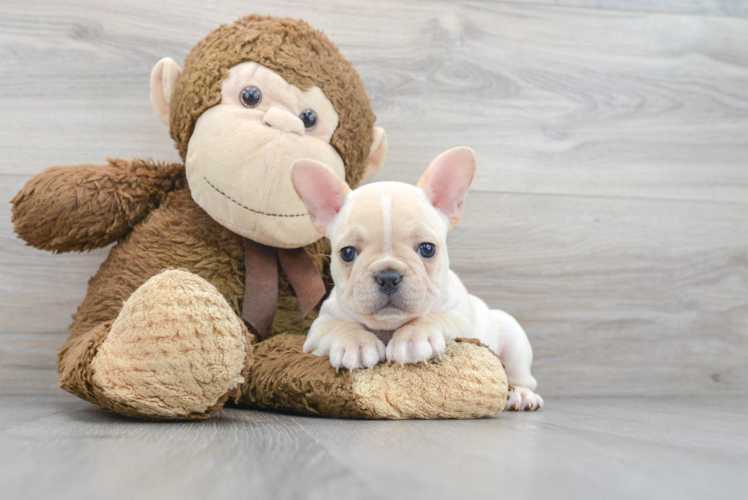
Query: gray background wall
[(609, 212)]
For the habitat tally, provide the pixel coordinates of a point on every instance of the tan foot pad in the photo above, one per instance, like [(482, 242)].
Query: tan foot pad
[(176, 350), (468, 381)]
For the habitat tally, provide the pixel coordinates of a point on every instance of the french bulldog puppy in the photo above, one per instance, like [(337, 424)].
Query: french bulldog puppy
[(395, 297)]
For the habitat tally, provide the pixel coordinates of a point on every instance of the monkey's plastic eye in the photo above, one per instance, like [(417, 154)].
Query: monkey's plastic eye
[(348, 254), (309, 117), (251, 96), (427, 250)]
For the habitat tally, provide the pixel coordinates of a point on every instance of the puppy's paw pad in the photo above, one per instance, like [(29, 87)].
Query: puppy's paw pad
[(523, 399), (415, 347), (357, 351)]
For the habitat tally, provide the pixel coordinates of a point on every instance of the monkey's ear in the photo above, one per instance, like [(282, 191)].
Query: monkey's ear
[(164, 78), (447, 180), (376, 154), (321, 190)]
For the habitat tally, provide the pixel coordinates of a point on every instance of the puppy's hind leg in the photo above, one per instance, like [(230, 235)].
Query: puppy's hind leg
[(515, 352)]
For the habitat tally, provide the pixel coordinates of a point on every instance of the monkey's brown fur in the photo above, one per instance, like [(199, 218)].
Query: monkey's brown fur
[(467, 381), (147, 209), (67, 209)]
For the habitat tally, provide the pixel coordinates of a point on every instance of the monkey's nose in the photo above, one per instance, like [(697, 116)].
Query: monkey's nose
[(388, 280), (283, 120)]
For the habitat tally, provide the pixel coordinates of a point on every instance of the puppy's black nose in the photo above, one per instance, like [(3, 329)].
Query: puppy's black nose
[(388, 280)]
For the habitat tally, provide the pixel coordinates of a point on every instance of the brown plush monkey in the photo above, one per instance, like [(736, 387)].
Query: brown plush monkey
[(219, 252)]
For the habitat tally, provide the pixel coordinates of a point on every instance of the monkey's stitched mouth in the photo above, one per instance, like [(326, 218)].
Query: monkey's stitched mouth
[(248, 208)]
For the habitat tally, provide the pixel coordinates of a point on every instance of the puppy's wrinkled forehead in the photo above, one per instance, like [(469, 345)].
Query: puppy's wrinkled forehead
[(388, 213)]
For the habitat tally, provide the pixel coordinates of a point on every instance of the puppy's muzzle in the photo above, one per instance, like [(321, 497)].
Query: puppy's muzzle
[(388, 281)]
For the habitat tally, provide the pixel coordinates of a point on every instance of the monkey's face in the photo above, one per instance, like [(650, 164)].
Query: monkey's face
[(240, 155)]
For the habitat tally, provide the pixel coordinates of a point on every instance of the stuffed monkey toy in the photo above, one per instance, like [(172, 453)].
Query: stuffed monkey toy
[(217, 271)]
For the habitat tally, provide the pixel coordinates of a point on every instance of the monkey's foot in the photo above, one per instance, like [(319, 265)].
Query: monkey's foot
[(176, 350)]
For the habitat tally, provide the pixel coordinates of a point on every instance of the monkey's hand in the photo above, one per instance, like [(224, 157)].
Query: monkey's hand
[(84, 207)]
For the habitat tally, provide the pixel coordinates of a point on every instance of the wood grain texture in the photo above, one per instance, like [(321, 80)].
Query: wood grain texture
[(637, 296), (609, 212), (554, 100), (705, 7), (59, 447)]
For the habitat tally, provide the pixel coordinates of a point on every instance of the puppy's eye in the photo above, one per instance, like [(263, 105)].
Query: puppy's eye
[(250, 96), (427, 250), (348, 254), (309, 117)]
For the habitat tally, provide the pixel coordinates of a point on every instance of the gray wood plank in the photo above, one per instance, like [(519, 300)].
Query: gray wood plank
[(20, 410), (568, 101), (84, 452), (633, 448), (573, 448), (28, 362), (705, 7), (619, 297)]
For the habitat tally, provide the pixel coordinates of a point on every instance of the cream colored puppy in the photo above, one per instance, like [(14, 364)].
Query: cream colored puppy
[(394, 296)]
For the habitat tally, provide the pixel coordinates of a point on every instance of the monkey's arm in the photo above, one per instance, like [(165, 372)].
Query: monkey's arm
[(84, 207)]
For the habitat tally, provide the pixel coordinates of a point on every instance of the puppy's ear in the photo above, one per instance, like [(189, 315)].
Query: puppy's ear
[(447, 180), (321, 190)]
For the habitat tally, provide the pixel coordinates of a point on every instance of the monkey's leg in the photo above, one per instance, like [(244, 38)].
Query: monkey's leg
[(176, 350), (467, 381)]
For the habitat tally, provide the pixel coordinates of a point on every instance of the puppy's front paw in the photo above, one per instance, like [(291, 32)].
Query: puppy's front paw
[(414, 345), (356, 350), (522, 398)]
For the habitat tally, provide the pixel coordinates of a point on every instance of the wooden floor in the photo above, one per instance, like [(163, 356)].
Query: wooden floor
[(60, 447), (609, 215)]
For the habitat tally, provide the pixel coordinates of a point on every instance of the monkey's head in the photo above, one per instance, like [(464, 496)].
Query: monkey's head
[(254, 97)]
